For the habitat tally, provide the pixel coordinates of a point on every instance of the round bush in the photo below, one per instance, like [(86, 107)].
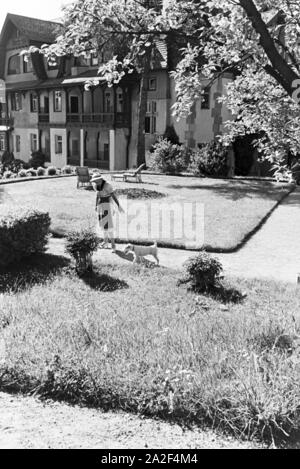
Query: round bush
[(81, 245), (22, 173), (210, 160), (202, 272), (8, 175), (31, 172), (41, 171), (51, 171), (37, 159), (170, 158), (23, 232), (67, 170)]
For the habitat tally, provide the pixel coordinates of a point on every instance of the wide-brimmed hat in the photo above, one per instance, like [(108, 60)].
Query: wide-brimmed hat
[(96, 177)]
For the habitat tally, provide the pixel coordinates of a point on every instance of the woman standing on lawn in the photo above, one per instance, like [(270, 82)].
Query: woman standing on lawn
[(104, 208)]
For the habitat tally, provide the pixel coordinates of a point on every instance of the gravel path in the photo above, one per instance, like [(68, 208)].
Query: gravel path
[(27, 423)]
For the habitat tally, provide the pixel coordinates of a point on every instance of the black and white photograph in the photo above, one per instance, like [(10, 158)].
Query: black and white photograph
[(149, 228)]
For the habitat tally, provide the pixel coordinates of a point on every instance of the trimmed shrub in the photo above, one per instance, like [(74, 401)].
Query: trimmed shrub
[(202, 273), (37, 159), (22, 173), (41, 171), (81, 245), (31, 172), (8, 175), (23, 232), (51, 171), (210, 160), (170, 158), (67, 170)]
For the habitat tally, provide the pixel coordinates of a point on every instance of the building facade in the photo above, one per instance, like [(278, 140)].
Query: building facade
[(47, 107)]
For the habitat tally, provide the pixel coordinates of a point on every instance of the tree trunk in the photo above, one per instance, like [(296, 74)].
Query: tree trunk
[(142, 109), (279, 68)]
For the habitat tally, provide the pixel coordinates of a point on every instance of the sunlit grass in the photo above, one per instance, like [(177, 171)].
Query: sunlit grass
[(154, 348), (232, 209)]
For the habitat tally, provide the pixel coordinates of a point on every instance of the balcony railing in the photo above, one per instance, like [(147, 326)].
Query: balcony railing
[(44, 117), (107, 118), (7, 121)]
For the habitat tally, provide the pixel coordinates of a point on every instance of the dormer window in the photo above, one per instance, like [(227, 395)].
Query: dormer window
[(14, 65)]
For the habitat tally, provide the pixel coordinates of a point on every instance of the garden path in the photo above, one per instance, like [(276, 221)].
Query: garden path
[(28, 423)]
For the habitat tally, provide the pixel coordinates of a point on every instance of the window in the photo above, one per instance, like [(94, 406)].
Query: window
[(33, 142), (150, 125), (14, 65), (27, 65), (33, 103), (150, 121), (18, 143), (16, 101), (151, 107), (205, 99), (108, 107), (58, 144), (57, 101), (2, 142), (120, 101), (94, 60), (152, 84), (82, 61)]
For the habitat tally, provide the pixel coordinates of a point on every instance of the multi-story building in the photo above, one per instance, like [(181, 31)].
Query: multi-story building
[(48, 108)]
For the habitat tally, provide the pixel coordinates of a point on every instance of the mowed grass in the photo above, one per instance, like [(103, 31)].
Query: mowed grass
[(232, 209), (151, 347)]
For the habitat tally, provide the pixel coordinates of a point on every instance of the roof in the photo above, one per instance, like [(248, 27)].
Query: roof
[(36, 30)]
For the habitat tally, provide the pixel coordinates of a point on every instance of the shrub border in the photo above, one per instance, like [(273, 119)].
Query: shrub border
[(3, 182)]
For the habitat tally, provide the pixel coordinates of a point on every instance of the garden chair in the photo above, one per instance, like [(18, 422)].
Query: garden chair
[(134, 174), (83, 176)]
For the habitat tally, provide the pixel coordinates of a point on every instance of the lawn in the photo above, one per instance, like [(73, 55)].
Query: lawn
[(130, 338), (232, 209)]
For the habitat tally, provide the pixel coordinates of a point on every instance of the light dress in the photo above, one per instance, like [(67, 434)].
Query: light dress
[(104, 206)]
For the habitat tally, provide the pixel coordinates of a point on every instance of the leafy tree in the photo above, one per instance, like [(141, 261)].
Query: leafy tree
[(259, 43)]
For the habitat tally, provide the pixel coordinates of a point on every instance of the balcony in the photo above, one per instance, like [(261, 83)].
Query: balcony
[(107, 118), (6, 121), (44, 118)]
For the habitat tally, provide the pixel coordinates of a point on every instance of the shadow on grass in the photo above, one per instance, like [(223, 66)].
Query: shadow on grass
[(226, 294), (130, 258), (236, 190), (222, 293), (103, 282), (34, 270)]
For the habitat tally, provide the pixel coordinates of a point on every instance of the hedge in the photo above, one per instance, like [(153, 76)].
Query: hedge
[(23, 232)]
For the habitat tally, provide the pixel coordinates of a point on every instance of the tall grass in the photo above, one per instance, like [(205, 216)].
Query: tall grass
[(158, 350)]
